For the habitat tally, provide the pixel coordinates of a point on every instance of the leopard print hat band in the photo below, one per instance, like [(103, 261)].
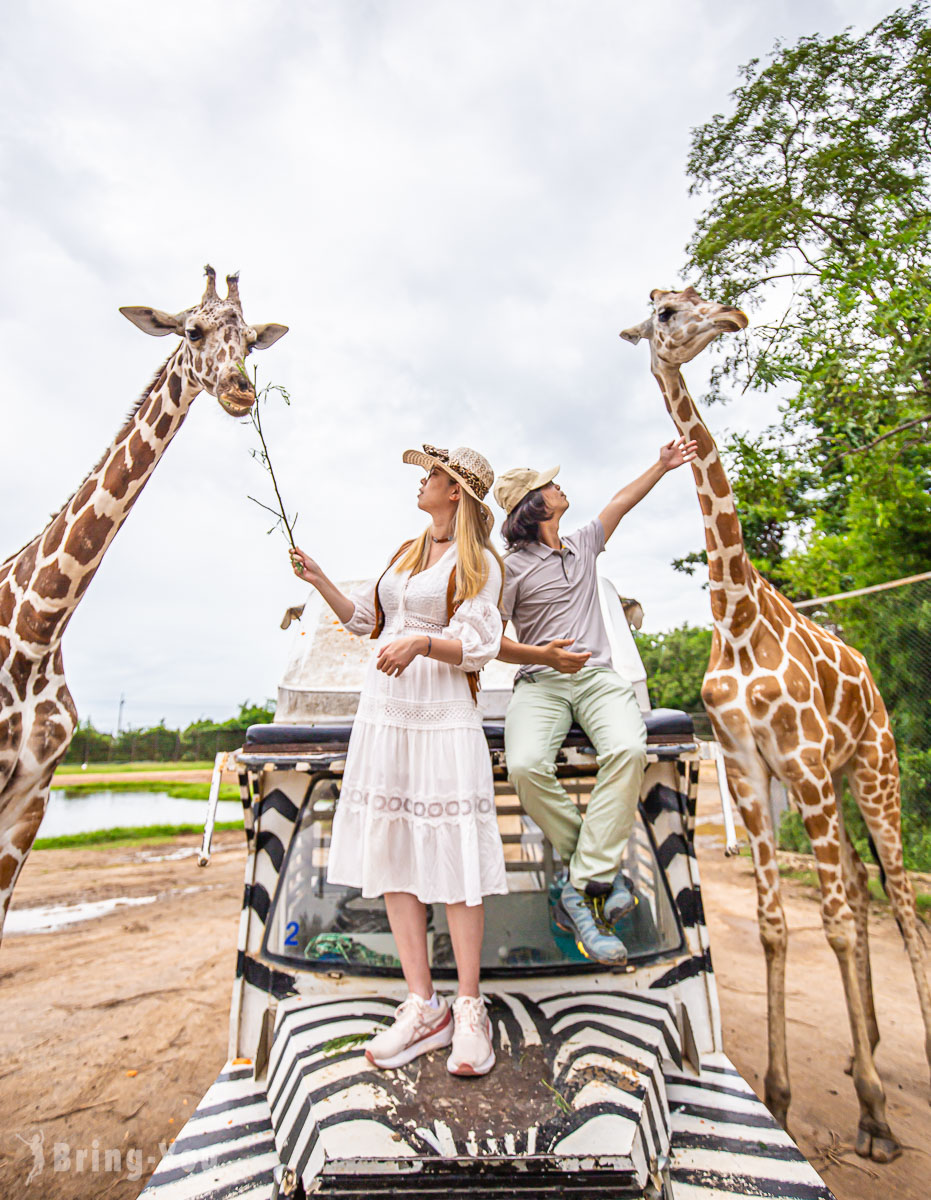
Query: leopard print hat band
[(467, 466)]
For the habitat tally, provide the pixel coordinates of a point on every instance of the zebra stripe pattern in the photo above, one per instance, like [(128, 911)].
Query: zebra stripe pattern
[(725, 1142), (616, 1064), (225, 1149)]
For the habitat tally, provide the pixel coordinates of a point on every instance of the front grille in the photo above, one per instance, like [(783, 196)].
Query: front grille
[(490, 1181)]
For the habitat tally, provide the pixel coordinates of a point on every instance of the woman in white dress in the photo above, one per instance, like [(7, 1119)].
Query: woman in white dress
[(416, 818)]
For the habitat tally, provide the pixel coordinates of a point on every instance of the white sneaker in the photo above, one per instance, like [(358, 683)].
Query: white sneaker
[(417, 1028), (473, 1053)]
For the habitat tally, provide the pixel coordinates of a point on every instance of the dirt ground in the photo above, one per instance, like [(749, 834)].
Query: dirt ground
[(112, 1029)]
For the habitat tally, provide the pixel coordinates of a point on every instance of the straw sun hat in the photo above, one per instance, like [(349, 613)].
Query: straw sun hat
[(467, 467)]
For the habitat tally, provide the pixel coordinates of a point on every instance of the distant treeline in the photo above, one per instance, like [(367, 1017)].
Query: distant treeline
[(200, 740)]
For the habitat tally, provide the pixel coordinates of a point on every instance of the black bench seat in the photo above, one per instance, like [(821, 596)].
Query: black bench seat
[(665, 727)]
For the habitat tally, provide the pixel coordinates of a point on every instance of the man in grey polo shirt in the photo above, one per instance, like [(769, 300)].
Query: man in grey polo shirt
[(551, 595)]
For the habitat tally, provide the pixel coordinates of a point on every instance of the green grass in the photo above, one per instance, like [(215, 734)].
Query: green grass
[(808, 877), (106, 768), (121, 834), (180, 791)]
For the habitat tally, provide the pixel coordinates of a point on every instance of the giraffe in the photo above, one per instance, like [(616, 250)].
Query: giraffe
[(42, 584), (789, 699)]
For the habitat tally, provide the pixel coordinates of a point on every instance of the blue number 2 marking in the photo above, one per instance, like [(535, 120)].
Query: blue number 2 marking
[(292, 928)]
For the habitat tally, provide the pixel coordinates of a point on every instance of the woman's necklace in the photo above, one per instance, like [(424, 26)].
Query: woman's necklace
[(438, 540)]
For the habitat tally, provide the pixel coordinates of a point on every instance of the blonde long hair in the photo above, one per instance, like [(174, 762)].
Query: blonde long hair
[(473, 538)]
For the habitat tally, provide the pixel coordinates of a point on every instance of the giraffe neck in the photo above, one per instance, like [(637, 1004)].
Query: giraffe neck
[(734, 603), (48, 577)]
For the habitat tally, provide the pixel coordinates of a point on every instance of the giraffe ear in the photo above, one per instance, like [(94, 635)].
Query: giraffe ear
[(267, 335), (154, 321), (636, 332)]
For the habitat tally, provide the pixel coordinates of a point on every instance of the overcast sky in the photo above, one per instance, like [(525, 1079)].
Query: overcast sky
[(455, 206)]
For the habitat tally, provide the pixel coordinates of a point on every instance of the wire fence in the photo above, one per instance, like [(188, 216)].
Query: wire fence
[(152, 745)]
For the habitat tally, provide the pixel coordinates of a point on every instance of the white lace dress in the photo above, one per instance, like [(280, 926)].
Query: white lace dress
[(417, 808)]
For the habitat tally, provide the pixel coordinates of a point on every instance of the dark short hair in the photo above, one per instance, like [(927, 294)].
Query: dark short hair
[(522, 524)]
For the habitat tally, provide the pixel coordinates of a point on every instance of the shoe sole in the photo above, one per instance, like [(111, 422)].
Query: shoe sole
[(436, 1041), (561, 920), (468, 1069), (568, 927), (605, 962)]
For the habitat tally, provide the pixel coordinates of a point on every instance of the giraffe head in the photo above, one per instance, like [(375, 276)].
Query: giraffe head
[(682, 325), (216, 341)]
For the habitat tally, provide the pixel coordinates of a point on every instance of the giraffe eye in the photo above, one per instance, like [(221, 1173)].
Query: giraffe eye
[(195, 334), (665, 313)]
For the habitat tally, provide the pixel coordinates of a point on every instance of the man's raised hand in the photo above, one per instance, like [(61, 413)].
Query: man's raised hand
[(677, 453)]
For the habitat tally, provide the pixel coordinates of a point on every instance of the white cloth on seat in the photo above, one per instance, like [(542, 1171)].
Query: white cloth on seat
[(417, 807)]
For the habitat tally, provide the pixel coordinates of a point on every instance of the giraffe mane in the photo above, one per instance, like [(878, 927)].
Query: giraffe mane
[(123, 431), (144, 395)]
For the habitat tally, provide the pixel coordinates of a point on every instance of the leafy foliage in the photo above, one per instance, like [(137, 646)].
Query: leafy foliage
[(817, 218), (675, 664)]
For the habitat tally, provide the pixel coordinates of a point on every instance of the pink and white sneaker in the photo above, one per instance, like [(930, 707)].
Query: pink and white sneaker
[(417, 1029), (473, 1053)]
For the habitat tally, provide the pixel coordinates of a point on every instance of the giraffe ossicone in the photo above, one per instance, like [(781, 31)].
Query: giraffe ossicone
[(42, 584), (787, 698)]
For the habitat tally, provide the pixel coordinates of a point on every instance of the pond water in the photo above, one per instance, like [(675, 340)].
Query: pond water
[(82, 812)]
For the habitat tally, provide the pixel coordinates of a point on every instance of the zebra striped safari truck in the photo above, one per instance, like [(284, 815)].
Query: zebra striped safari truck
[(609, 1082)]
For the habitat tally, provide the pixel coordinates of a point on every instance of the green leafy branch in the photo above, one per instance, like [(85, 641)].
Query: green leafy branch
[(282, 520)]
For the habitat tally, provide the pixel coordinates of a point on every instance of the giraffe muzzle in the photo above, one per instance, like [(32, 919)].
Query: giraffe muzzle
[(236, 394), (235, 406), (732, 320)]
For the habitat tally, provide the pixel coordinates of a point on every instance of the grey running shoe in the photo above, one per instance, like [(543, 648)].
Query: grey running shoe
[(583, 917), (620, 901)]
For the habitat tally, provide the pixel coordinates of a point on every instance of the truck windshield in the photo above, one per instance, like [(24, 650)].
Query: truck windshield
[(318, 926)]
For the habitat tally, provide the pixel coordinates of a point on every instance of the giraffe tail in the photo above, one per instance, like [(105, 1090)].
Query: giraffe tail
[(882, 878), (878, 861)]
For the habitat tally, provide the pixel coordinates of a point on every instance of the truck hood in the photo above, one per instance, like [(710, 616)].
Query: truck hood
[(578, 1087)]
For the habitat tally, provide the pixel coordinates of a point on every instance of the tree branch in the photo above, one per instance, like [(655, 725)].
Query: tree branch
[(885, 436)]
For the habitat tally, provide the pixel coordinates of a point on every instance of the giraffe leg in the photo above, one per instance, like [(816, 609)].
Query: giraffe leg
[(873, 772), (814, 791), (856, 884), (748, 780)]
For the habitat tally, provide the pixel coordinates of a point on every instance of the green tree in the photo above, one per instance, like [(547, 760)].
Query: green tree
[(817, 219), (88, 745), (675, 664), (816, 187)]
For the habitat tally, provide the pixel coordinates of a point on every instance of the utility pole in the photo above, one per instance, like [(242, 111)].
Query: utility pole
[(119, 715)]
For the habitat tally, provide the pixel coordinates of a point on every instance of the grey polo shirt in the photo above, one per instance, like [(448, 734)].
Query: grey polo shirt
[(551, 594)]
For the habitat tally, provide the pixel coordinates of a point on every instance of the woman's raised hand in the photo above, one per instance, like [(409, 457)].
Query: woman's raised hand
[(304, 566), (396, 655)]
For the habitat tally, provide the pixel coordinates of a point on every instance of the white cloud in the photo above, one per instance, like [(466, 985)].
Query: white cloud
[(454, 206)]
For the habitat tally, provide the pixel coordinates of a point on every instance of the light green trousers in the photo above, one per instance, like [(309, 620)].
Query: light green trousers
[(538, 718)]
